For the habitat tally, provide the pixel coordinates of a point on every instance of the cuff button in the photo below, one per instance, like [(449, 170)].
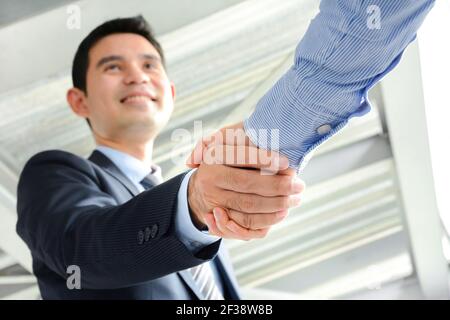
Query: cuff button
[(326, 128)]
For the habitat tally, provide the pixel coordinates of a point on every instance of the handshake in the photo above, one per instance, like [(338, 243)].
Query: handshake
[(239, 191)]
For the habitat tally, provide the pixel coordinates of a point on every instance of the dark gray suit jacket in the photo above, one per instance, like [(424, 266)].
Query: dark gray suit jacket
[(73, 211)]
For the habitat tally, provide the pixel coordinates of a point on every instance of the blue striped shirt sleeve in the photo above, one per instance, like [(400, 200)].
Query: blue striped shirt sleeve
[(348, 47)]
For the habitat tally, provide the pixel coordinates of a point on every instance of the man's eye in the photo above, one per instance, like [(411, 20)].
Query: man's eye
[(148, 66), (112, 67)]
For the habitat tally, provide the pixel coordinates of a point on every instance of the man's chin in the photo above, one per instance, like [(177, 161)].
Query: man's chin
[(153, 120), (144, 125)]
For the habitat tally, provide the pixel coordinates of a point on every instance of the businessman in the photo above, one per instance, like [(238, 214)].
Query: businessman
[(130, 235)]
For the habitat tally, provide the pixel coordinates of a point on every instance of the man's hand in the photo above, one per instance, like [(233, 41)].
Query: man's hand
[(253, 201)]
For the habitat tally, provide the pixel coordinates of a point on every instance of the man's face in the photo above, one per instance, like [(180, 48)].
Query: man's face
[(128, 91)]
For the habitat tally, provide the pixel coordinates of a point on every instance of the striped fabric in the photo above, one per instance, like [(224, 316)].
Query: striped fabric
[(342, 55), (204, 279)]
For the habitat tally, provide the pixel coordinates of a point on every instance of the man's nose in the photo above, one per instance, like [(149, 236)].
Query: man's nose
[(136, 75)]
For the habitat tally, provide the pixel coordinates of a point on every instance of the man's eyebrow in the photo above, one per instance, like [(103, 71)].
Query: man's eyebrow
[(150, 57), (108, 59)]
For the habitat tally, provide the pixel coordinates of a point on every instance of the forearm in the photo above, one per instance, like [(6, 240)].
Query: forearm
[(338, 60)]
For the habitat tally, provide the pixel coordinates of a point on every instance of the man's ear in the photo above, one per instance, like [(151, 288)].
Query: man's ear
[(77, 101), (172, 86)]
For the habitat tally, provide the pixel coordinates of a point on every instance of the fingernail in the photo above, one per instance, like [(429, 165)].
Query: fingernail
[(216, 213), (283, 162), (297, 185), (282, 214), (295, 200)]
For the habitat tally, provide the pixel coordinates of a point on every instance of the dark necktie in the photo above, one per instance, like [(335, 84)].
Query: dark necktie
[(148, 182), (152, 179)]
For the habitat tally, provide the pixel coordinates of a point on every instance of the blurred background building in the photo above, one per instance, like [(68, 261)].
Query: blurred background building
[(375, 217)]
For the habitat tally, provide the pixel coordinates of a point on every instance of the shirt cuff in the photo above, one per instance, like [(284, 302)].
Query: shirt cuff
[(192, 238)]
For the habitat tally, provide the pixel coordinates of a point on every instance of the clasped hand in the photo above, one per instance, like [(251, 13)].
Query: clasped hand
[(239, 191)]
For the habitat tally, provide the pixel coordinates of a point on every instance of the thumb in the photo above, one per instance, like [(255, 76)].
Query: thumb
[(196, 156)]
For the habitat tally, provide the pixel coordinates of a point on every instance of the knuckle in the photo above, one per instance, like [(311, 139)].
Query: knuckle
[(281, 185), (231, 179), (283, 202), (285, 185), (246, 203), (247, 182), (202, 177), (277, 184), (235, 203), (241, 182), (231, 203)]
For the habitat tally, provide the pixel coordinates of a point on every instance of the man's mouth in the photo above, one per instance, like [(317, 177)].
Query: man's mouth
[(138, 97)]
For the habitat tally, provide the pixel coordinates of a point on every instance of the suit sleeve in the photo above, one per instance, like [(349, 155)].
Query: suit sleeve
[(66, 219)]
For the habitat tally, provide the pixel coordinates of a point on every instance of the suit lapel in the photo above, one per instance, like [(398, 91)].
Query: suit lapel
[(101, 160)]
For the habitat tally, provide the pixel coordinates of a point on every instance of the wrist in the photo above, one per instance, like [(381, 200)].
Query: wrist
[(194, 205)]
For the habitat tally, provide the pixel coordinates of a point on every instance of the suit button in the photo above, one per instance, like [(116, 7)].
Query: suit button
[(141, 237), (154, 231), (148, 233)]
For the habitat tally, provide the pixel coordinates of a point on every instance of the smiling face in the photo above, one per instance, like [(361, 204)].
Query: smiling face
[(128, 92)]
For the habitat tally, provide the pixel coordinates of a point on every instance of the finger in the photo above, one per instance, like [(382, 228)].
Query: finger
[(252, 203), (234, 135), (245, 157), (227, 225), (288, 172), (221, 219), (251, 181), (196, 156), (217, 138), (247, 233), (212, 226), (256, 220), (218, 224)]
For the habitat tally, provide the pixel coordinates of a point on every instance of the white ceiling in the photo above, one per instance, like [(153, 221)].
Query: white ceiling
[(44, 45), (12, 11)]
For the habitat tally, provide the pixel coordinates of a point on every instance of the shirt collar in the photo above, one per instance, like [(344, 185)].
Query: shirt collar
[(133, 168)]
